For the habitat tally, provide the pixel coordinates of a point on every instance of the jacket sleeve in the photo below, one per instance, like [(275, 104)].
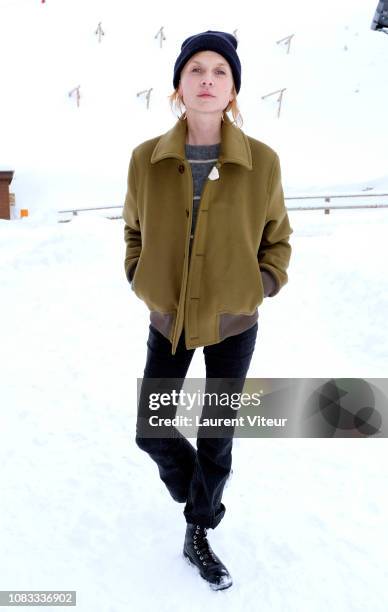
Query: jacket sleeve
[(132, 232), (275, 250)]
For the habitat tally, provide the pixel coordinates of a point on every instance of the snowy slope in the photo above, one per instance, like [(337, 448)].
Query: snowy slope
[(370, 187), (331, 130)]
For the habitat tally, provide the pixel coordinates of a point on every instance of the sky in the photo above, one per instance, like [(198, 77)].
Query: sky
[(331, 133)]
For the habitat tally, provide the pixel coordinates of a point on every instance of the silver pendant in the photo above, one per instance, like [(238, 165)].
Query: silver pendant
[(214, 174)]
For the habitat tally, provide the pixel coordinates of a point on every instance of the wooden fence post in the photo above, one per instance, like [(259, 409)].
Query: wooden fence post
[(6, 177)]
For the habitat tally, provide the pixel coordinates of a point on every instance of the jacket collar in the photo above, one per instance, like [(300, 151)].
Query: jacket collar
[(234, 144)]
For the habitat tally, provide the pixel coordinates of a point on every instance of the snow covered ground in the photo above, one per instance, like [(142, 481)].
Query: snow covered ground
[(83, 508)]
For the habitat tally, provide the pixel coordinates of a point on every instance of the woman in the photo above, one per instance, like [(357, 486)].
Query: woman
[(207, 238)]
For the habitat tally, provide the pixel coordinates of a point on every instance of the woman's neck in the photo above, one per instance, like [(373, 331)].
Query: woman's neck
[(203, 131)]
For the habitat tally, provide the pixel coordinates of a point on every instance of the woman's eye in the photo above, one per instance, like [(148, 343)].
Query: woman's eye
[(221, 71)]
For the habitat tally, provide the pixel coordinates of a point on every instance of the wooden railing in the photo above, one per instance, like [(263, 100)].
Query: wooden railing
[(327, 198), (326, 207)]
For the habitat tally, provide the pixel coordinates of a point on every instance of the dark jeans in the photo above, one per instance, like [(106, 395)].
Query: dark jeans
[(196, 477)]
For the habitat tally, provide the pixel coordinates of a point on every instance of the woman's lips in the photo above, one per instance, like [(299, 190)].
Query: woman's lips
[(204, 95)]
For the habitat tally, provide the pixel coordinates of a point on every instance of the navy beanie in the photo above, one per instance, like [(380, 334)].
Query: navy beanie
[(221, 42)]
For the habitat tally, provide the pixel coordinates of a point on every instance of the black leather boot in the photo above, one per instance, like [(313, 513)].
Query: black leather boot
[(198, 552)]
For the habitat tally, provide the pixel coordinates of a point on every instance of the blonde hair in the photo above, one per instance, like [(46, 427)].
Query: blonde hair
[(176, 103)]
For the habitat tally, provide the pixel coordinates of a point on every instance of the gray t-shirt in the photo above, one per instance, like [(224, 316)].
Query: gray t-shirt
[(201, 158)]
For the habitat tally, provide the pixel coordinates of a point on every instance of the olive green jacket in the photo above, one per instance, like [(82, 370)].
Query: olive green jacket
[(242, 230)]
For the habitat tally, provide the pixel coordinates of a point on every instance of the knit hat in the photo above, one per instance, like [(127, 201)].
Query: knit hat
[(221, 42)]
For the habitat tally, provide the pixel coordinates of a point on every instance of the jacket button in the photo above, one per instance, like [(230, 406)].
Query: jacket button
[(187, 212), (181, 168)]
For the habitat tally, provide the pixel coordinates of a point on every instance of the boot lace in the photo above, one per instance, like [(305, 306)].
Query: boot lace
[(202, 547)]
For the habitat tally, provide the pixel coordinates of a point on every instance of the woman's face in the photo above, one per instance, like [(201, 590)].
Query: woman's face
[(206, 71)]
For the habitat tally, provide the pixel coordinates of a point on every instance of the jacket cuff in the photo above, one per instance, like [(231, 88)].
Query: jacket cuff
[(269, 283), (130, 272)]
